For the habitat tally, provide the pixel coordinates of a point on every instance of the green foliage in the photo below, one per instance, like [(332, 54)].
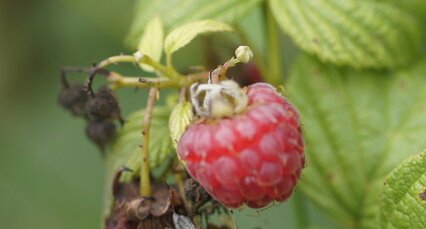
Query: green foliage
[(125, 149), (360, 33), (416, 7), (358, 126), (182, 35), (151, 43), (404, 195), (180, 118), (177, 12)]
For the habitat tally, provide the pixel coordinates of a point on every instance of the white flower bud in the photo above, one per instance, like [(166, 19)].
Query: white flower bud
[(243, 54)]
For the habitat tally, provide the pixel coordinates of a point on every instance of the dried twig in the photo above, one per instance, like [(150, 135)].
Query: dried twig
[(145, 184)]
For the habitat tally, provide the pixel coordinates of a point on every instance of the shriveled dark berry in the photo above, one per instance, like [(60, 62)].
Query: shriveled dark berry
[(104, 105), (74, 99), (100, 132)]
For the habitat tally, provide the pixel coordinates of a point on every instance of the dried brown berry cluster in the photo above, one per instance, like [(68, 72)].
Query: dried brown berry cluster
[(165, 208), (99, 109)]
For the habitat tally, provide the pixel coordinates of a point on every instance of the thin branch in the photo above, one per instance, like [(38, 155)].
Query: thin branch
[(90, 79), (116, 60), (182, 95), (145, 183), (118, 81), (64, 80), (139, 58), (274, 69), (171, 79), (88, 70), (92, 73), (181, 187)]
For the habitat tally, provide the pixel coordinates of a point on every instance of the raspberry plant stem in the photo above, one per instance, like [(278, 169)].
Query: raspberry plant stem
[(115, 60), (182, 95), (118, 81), (145, 182), (181, 186), (274, 70), (138, 58)]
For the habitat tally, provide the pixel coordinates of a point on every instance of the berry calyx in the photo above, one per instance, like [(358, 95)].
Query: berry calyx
[(253, 157)]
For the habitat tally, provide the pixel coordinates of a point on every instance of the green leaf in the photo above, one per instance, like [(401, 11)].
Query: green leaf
[(181, 36), (180, 118), (416, 7), (359, 33), (358, 125), (125, 149), (404, 195), (177, 12), (151, 43)]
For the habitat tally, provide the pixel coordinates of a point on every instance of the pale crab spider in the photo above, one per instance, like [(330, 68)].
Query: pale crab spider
[(220, 100)]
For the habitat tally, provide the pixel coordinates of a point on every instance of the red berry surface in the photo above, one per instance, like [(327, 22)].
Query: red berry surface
[(252, 158)]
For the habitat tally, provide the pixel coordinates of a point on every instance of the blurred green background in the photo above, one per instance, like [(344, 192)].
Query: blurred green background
[(51, 176)]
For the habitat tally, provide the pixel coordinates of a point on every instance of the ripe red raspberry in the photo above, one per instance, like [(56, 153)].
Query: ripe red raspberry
[(251, 158)]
